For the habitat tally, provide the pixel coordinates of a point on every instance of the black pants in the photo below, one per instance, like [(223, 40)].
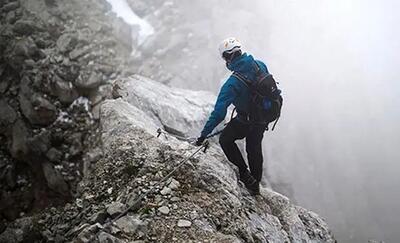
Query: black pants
[(254, 134)]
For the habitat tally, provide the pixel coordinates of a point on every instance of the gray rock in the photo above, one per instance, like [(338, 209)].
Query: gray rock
[(107, 238), (54, 179), (92, 82), (21, 230), (75, 141), (24, 27), (164, 210), (23, 49), (65, 91), (66, 42), (182, 223), (10, 6), (10, 177), (88, 234), (94, 155), (78, 52), (19, 146), (166, 191), (7, 116), (130, 224), (40, 143), (182, 112), (54, 155), (174, 184), (115, 208), (11, 17), (38, 110)]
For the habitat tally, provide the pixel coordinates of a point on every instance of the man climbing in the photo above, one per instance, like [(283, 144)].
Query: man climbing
[(237, 90)]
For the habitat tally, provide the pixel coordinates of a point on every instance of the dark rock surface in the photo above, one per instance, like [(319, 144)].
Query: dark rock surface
[(54, 55)]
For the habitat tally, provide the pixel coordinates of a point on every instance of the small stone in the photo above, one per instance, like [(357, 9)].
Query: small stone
[(174, 184), (166, 191), (175, 199), (110, 190), (164, 210), (194, 215), (129, 224), (182, 223), (107, 238), (79, 203), (115, 208)]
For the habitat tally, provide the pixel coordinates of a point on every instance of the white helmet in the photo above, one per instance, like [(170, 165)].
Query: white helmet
[(229, 45)]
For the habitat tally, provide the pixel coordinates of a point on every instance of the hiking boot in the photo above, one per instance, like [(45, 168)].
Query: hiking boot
[(250, 183)]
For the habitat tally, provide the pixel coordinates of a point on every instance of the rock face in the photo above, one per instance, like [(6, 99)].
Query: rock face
[(55, 57), (178, 111), (205, 201)]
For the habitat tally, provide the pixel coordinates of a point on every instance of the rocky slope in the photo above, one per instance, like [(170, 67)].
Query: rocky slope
[(202, 202), (56, 59)]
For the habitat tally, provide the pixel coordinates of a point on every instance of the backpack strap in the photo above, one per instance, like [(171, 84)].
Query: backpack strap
[(242, 78)]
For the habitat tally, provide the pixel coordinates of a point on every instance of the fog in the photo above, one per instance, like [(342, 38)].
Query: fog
[(335, 149), (337, 142)]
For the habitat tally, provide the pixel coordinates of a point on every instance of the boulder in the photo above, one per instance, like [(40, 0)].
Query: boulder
[(115, 208), (178, 111), (130, 224), (22, 50), (65, 91), (93, 81), (38, 110), (40, 143), (54, 179)]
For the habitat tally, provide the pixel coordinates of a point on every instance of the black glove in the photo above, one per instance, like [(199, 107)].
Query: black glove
[(200, 141)]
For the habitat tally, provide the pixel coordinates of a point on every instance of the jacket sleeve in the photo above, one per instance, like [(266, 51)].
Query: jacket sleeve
[(226, 96)]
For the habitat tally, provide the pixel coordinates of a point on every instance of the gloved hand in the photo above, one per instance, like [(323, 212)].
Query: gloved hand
[(267, 104), (199, 141)]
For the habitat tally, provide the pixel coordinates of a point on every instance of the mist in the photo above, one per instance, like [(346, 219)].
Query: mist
[(337, 143), (335, 149)]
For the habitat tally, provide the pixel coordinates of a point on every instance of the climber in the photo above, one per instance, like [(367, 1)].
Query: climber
[(237, 92)]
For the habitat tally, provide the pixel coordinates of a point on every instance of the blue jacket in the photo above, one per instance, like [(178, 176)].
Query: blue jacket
[(233, 91)]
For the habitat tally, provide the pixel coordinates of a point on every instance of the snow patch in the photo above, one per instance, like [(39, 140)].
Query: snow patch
[(123, 10)]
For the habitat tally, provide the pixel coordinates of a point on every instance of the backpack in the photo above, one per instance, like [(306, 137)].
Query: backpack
[(266, 100)]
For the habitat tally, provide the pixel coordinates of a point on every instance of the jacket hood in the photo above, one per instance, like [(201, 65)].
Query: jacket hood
[(242, 64)]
